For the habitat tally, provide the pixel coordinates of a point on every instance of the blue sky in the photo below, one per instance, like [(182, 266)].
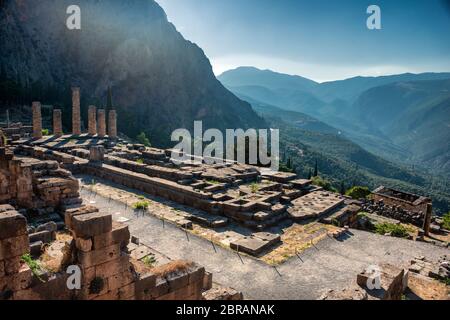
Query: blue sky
[(321, 39)]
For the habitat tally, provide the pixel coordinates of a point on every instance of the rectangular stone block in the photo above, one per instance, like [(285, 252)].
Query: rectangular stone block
[(12, 265), (207, 281), (119, 235), (12, 223), (84, 245), (120, 280), (43, 236), (196, 274), (144, 286), (113, 267), (178, 281), (18, 281), (91, 224), (2, 268), (13, 247), (96, 257), (69, 213)]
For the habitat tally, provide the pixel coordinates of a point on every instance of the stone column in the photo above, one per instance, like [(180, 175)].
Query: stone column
[(57, 123), (427, 219), (112, 124), (92, 120), (37, 120), (76, 122), (101, 123)]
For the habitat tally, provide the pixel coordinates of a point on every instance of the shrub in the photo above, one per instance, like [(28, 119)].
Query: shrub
[(141, 205), (446, 221), (142, 138), (140, 161), (45, 132), (321, 182), (358, 192), (149, 260), (396, 230), (254, 187), (33, 265)]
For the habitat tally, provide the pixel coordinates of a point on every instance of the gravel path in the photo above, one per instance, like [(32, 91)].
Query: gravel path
[(331, 264)]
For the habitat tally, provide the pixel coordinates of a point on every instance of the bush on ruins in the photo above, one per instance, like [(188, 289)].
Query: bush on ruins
[(358, 192)]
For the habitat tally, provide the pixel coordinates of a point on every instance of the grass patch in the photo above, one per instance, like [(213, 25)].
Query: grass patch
[(213, 181), (254, 187), (33, 265), (149, 261), (446, 221), (140, 161), (396, 230)]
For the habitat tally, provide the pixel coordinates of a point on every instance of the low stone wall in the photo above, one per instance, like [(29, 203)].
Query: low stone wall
[(99, 250), (394, 212), (159, 187)]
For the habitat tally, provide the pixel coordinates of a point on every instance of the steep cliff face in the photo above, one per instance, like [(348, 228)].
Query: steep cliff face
[(159, 80)]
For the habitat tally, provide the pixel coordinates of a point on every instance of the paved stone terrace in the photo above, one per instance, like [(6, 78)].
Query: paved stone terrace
[(330, 264)]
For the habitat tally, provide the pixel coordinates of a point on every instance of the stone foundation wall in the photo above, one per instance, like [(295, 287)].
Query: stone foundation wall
[(393, 211), (99, 250)]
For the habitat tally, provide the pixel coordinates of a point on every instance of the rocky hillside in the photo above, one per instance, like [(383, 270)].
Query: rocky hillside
[(159, 80)]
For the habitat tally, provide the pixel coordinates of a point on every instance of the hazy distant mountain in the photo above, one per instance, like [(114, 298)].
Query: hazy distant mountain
[(402, 117), (414, 115), (159, 80), (306, 140)]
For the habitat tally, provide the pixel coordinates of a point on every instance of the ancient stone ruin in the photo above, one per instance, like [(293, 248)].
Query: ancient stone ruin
[(247, 209)]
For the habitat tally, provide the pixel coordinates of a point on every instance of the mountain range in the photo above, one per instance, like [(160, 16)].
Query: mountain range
[(159, 80), (403, 118)]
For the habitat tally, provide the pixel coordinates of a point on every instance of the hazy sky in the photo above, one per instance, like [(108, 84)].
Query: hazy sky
[(320, 39)]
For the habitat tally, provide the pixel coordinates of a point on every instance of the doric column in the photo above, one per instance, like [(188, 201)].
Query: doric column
[(112, 124), (76, 120), (37, 120), (427, 219), (101, 123), (57, 123), (92, 120)]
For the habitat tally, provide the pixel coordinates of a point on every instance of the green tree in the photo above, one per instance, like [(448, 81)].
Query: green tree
[(358, 192), (342, 189), (316, 169), (142, 138)]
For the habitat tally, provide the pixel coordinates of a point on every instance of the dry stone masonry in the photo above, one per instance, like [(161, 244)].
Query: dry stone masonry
[(57, 123), (76, 112), (92, 120), (37, 120), (101, 123)]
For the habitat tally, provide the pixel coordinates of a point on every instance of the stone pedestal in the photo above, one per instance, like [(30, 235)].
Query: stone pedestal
[(112, 124), (101, 123), (57, 123), (92, 120), (76, 122), (37, 120)]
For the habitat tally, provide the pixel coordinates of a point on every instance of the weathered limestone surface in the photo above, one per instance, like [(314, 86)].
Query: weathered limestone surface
[(76, 113), (37, 120), (57, 123), (101, 123), (112, 124), (92, 120)]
